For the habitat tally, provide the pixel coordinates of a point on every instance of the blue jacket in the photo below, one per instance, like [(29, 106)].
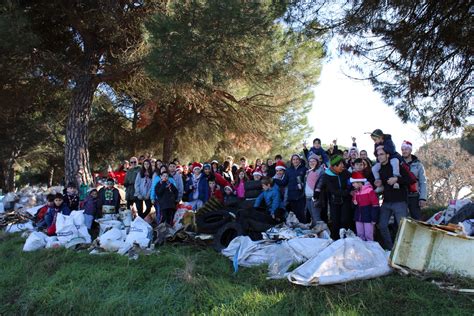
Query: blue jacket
[(155, 181), (318, 151), (271, 198), (50, 215), (203, 188), (290, 180)]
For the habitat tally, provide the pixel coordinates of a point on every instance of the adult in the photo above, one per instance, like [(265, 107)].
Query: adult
[(294, 179), (129, 182), (334, 186), (197, 188), (394, 200), (178, 179), (143, 183), (418, 192)]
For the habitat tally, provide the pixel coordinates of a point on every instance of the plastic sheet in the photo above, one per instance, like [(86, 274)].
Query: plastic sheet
[(343, 261)]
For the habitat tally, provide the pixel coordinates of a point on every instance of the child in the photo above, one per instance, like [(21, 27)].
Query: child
[(230, 200), (271, 197), (40, 216), (91, 207), (316, 150), (385, 140), (167, 194), (367, 206), (71, 197), (240, 185), (215, 190), (58, 207)]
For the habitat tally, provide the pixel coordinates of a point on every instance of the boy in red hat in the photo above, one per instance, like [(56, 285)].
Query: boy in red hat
[(367, 206)]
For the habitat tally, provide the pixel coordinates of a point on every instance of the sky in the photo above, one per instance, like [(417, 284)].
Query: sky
[(345, 107)]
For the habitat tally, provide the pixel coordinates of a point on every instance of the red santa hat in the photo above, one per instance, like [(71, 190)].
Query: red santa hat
[(357, 177), (280, 165), (257, 173), (179, 168), (196, 165), (407, 144)]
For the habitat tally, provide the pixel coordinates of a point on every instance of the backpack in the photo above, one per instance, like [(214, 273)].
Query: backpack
[(413, 180)]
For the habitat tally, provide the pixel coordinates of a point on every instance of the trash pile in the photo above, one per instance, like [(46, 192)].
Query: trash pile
[(424, 247), (457, 218), (27, 197), (322, 260)]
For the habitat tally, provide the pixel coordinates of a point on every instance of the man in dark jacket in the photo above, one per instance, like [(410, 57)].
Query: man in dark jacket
[(394, 200), (334, 186), (316, 150), (167, 195), (294, 180), (109, 196), (129, 182)]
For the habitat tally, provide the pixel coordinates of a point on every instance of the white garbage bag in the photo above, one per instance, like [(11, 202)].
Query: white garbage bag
[(344, 260), (80, 222), (16, 228), (34, 210), (35, 241), (52, 242), (112, 240), (140, 232), (106, 224), (65, 228)]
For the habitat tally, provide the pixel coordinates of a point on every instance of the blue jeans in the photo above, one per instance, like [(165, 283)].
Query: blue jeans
[(397, 209), (88, 219)]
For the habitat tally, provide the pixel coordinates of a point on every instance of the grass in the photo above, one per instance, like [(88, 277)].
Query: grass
[(192, 280)]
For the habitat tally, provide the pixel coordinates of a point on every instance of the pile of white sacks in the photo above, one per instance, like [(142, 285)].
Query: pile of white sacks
[(323, 261)]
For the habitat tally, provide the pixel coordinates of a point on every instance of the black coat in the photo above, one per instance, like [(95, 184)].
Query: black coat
[(166, 194), (337, 188), (389, 193), (109, 199)]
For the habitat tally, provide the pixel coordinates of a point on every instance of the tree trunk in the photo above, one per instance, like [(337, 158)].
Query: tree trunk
[(76, 157), (10, 177), (168, 146), (51, 176)]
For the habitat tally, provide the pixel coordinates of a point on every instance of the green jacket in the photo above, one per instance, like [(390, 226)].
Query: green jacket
[(129, 182)]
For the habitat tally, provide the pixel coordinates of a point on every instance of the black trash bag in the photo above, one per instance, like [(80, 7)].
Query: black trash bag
[(226, 234), (466, 212), (209, 223)]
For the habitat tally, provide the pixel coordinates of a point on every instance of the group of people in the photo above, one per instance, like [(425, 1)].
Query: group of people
[(342, 188)]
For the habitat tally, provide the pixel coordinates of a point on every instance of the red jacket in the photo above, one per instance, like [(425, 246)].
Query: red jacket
[(217, 194), (42, 212), (367, 209)]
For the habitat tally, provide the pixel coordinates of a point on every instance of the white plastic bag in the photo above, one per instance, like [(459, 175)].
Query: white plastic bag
[(34, 210), (140, 232), (35, 241), (16, 228), (344, 260), (65, 228), (112, 240), (106, 224), (52, 242), (80, 222)]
